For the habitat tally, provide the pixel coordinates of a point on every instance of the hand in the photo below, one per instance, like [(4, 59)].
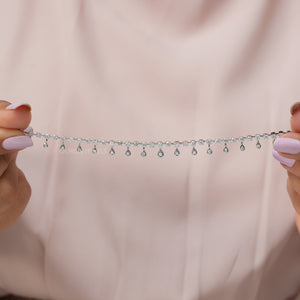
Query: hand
[(15, 190), (287, 151)]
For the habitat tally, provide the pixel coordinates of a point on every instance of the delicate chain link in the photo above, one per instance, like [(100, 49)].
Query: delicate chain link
[(160, 144)]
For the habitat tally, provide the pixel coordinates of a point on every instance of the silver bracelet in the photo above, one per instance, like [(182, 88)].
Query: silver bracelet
[(194, 143)]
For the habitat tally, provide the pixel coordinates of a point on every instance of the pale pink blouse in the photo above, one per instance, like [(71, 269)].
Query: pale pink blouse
[(102, 227)]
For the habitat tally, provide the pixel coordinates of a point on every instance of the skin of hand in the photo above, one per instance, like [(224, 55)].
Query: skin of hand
[(15, 190), (293, 172)]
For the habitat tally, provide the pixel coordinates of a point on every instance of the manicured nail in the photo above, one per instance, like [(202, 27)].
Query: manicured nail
[(17, 142), (17, 104), (287, 145), (286, 161), (28, 129), (295, 107)]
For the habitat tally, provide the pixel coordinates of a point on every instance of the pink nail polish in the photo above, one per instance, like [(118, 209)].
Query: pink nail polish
[(287, 145), (286, 161), (17, 142), (16, 105), (28, 129)]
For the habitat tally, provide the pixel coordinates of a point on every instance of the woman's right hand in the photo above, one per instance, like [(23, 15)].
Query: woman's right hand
[(15, 190)]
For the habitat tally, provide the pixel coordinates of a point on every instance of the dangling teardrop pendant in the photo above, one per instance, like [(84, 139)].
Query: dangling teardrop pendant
[(209, 150), (79, 149), (46, 144), (194, 151), (128, 152), (258, 145), (112, 151), (143, 153), (160, 153), (62, 147), (242, 147), (226, 150), (176, 152), (94, 150)]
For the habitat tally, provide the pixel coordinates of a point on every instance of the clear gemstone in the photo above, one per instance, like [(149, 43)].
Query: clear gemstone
[(111, 143), (120, 143), (136, 143), (71, 139), (194, 151), (62, 147), (201, 142), (94, 150), (242, 147), (209, 151), (38, 135), (79, 149), (143, 153), (185, 143), (193, 143), (127, 144), (128, 152), (30, 133), (160, 153), (45, 144), (152, 145), (168, 143), (160, 144), (112, 151), (226, 150), (176, 152), (258, 145)]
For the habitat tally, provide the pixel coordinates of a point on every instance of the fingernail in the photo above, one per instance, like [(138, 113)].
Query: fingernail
[(287, 145), (17, 104), (295, 107), (28, 129), (17, 142), (286, 161)]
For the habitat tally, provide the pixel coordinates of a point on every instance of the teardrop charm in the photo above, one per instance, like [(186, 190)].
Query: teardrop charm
[(46, 144), (194, 151), (112, 151), (176, 152), (79, 149), (209, 150), (258, 145), (62, 147), (94, 149), (143, 153), (242, 147), (160, 153), (128, 152), (226, 150)]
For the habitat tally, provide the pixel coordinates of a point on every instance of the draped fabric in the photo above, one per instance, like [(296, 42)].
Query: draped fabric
[(184, 227)]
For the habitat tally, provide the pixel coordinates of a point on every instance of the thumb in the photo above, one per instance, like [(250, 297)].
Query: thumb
[(295, 118)]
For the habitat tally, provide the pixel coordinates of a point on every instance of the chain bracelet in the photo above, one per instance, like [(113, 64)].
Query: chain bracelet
[(160, 144)]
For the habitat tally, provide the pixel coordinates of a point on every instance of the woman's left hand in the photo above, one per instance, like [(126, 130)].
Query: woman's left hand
[(287, 151)]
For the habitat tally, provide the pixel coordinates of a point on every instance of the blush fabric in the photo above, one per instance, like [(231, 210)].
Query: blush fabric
[(184, 227)]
